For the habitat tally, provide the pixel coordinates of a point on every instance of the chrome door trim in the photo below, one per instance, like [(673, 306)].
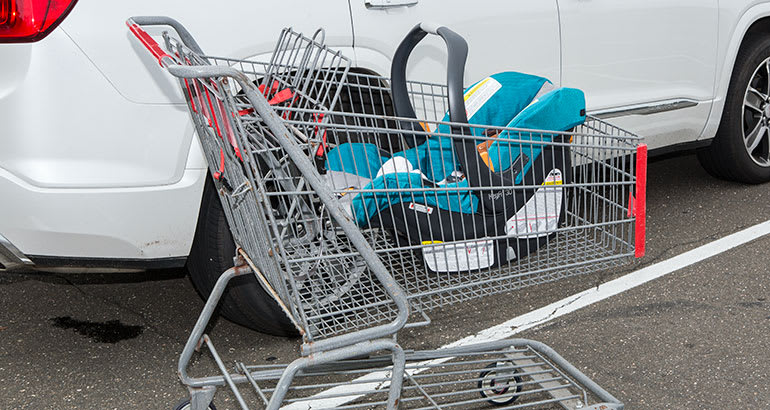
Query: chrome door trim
[(646, 109)]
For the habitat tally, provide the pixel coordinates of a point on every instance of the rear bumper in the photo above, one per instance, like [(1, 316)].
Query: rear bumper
[(142, 224), (89, 178)]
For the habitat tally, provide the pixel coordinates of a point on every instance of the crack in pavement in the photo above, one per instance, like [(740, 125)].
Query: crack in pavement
[(535, 323)]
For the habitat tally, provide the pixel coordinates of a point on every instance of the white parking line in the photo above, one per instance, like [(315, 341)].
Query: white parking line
[(566, 305)]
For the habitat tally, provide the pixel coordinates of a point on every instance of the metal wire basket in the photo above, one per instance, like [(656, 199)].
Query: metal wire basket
[(324, 281)]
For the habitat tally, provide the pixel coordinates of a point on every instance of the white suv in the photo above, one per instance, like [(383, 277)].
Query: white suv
[(99, 167)]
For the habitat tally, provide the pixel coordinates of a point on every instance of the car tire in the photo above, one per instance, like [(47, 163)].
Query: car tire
[(732, 154), (245, 302)]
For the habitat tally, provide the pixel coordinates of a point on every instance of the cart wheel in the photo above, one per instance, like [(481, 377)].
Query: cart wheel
[(496, 388), (185, 405)]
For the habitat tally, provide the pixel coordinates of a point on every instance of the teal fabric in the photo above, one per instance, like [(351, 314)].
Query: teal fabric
[(367, 205), (559, 110), (435, 158), (358, 158), (517, 92), (511, 106)]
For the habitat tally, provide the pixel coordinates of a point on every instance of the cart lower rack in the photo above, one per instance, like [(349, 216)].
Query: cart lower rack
[(514, 373), (358, 218)]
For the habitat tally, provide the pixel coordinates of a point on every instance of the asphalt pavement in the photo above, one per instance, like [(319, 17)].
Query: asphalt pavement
[(697, 338)]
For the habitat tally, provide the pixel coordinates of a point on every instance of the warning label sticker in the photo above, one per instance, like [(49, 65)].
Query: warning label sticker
[(458, 257), (479, 94), (540, 215), (421, 208)]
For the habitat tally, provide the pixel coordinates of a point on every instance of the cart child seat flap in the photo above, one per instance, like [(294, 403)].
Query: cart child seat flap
[(506, 99)]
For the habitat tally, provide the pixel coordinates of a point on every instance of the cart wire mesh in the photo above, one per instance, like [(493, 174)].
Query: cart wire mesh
[(308, 263)]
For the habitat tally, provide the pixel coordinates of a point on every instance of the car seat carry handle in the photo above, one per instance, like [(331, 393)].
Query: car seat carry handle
[(457, 50), (475, 170), (457, 53)]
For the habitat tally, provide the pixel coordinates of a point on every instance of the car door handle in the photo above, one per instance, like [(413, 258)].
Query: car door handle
[(386, 4)]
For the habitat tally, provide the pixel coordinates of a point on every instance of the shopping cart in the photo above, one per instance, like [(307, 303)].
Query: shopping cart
[(269, 132)]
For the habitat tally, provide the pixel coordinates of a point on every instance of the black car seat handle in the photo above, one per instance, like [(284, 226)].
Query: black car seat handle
[(475, 170), (457, 50)]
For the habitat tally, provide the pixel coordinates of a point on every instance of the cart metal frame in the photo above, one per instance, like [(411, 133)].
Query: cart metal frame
[(241, 122)]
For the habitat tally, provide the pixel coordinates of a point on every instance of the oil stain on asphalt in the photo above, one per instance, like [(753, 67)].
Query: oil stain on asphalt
[(111, 331)]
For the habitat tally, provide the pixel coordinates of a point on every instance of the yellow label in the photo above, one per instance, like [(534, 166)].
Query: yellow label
[(479, 94), (557, 182), (431, 242), (475, 88)]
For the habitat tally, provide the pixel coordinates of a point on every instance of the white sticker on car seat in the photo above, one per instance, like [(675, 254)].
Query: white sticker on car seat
[(421, 208), (479, 94), (458, 257), (540, 215)]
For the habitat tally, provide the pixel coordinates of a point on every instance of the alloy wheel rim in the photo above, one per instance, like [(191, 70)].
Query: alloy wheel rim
[(756, 116)]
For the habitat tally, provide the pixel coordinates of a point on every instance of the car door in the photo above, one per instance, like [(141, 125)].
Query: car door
[(652, 57), (519, 35)]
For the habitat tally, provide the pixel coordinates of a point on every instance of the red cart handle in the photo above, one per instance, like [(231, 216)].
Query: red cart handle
[(149, 43)]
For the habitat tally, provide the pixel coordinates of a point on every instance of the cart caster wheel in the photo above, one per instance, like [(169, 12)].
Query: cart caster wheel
[(497, 388), (185, 405)]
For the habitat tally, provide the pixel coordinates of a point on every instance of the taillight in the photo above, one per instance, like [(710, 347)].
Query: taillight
[(25, 21)]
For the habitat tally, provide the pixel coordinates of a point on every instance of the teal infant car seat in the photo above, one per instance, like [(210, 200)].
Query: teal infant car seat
[(492, 224)]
